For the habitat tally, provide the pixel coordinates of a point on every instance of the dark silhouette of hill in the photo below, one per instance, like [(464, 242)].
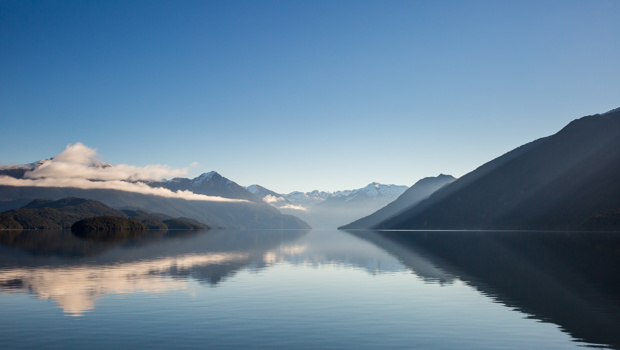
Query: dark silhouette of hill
[(152, 221), (414, 194), (557, 182), (184, 224), (44, 214), (60, 214), (566, 278)]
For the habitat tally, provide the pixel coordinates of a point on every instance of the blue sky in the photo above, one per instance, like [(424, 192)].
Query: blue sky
[(301, 95)]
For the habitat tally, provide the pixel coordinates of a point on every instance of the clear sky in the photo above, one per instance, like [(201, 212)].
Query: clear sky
[(301, 95)]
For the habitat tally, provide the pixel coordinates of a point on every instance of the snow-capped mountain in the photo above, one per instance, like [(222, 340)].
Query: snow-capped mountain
[(307, 198), (323, 209), (371, 191)]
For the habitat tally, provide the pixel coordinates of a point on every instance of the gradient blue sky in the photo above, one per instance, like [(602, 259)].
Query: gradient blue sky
[(302, 95)]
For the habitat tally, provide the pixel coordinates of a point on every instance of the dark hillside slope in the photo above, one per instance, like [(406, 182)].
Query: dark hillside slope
[(60, 214), (414, 194), (557, 182)]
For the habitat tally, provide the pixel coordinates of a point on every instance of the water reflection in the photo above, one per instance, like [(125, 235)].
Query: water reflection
[(570, 279), (74, 272)]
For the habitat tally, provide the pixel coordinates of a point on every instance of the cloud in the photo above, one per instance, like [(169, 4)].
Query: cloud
[(77, 167), (291, 206), (273, 199), (78, 161)]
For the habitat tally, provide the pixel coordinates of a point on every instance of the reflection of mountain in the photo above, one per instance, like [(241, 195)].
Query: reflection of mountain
[(569, 279), (419, 264), (330, 247), (153, 265)]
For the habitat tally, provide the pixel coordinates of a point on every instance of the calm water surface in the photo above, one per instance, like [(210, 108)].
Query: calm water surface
[(311, 289)]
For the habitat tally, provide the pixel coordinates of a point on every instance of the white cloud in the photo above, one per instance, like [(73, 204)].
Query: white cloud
[(273, 199), (79, 161), (77, 167), (291, 206)]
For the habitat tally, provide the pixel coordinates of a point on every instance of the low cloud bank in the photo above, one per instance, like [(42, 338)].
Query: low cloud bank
[(291, 206), (77, 167)]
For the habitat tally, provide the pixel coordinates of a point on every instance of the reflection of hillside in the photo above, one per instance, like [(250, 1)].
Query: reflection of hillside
[(64, 244), (52, 243), (420, 265), (569, 279), (332, 247), (163, 264)]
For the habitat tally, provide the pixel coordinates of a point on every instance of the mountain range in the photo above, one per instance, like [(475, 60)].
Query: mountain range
[(566, 181), (331, 209), (412, 196), (247, 211)]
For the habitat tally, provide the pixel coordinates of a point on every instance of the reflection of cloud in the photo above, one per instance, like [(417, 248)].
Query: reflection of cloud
[(283, 252), (275, 201), (77, 167), (75, 288)]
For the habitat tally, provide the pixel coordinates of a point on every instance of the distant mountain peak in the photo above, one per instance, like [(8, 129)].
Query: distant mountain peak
[(419, 191), (205, 177)]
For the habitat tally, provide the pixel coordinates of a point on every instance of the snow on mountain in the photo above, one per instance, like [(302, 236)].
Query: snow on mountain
[(322, 209), (306, 199), (204, 177), (372, 190)]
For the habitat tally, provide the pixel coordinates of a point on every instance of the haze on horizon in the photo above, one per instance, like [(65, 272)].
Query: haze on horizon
[(301, 95)]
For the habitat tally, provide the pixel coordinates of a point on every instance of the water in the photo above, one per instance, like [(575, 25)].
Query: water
[(311, 289)]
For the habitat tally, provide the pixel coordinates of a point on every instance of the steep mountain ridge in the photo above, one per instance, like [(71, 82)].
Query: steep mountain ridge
[(210, 184), (412, 196), (556, 182), (331, 209)]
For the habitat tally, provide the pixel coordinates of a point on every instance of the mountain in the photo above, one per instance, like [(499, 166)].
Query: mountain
[(250, 212), (268, 196), (560, 182), (210, 184), (331, 209), (412, 196)]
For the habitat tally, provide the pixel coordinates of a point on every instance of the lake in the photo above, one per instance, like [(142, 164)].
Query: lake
[(311, 289)]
